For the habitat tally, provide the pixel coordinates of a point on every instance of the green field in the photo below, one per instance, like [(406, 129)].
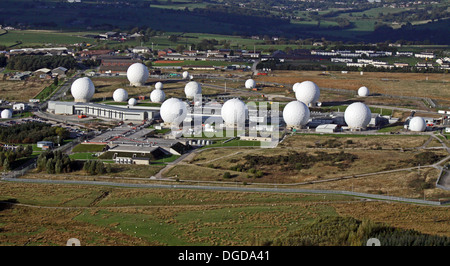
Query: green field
[(32, 38)]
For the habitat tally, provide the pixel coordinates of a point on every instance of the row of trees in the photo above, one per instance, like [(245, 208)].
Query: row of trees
[(35, 62), (96, 167), (32, 132), (8, 156), (55, 162)]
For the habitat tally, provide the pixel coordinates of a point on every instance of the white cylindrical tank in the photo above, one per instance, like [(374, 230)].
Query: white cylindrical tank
[(296, 114), (157, 96), (132, 101), (307, 92), (192, 88), (357, 115), (6, 114), (159, 85), (185, 75), (137, 74), (173, 111), (363, 91), (417, 124), (120, 95), (82, 89), (234, 112), (250, 84)]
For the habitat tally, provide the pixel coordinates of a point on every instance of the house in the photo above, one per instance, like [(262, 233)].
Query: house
[(140, 50), (20, 106), (59, 72), (45, 145)]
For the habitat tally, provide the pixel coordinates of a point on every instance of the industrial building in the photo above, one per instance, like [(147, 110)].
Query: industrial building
[(101, 110)]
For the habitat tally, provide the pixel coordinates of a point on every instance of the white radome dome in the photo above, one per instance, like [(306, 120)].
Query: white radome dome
[(294, 87), (296, 114), (137, 74), (307, 92), (120, 95), (234, 112), (185, 75), (363, 91), (82, 89), (192, 88), (157, 96), (173, 111), (6, 114), (159, 85), (132, 101), (250, 84), (417, 124), (357, 115)]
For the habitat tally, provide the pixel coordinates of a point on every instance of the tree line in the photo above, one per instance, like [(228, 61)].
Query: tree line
[(55, 162), (35, 62), (32, 132), (9, 155)]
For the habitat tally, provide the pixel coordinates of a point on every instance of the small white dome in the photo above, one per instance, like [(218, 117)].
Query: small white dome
[(157, 96), (185, 75), (417, 124), (234, 112), (294, 87), (159, 85), (363, 91), (132, 101), (192, 88), (296, 114), (357, 115), (6, 114), (173, 111), (82, 89), (137, 74), (250, 84), (307, 92), (120, 95)]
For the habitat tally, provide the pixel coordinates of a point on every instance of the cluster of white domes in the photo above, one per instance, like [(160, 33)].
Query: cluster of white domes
[(363, 91), (296, 114), (120, 95), (234, 112), (250, 84), (307, 92), (132, 101), (173, 111), (137, 74), (82, 89), (6, 114), (357, 115), (192, 88), (417, 124)]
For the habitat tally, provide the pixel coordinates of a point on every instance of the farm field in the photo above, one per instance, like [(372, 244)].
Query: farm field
[(22, 90), (151, 217)]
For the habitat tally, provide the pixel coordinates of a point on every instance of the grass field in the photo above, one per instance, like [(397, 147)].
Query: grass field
[(111, 216), (22, 90)]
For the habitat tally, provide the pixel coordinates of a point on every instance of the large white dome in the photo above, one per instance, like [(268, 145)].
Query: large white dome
[(192, 88), (120, 95), (6, 114), (185, 75), (234, 112), (357, 115), (82, 89), (132, 101), (417, 124), (157, 96), (250, 84), (159, 85), (173, 111), (296, 114), (294, 87), (137, 74), (363, 91), (307, 92)]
